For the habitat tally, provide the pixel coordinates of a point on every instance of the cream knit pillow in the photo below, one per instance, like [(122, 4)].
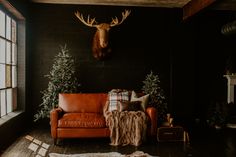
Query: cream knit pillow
[(143, 99)]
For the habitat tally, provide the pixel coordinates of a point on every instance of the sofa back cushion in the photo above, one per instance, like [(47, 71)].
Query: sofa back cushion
[(82, 102)]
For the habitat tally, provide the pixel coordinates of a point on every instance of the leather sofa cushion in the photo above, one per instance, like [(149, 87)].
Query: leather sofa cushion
[(82, 102), (82, 120)]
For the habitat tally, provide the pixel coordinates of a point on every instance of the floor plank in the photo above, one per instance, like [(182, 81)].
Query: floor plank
[(213, 143)]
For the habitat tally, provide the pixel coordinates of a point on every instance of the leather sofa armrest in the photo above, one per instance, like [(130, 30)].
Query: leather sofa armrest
[(152, 113), (55, 114)]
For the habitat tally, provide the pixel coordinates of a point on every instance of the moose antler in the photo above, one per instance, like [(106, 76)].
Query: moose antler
[(90, 22), (116, 22), (100, 46)]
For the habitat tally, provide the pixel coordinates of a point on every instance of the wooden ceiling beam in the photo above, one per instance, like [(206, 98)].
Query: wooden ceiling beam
[(194, 6), (145, 3), (225, 5)]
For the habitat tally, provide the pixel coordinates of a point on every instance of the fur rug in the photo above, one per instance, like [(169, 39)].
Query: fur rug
[(109, 154)]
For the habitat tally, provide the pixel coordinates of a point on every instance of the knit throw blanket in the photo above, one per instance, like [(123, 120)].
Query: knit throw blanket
[(127, 127)]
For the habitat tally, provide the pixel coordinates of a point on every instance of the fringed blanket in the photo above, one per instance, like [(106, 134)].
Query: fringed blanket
[(127, 127)]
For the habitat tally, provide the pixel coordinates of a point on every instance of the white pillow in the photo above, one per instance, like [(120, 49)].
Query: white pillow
[(143, 99)]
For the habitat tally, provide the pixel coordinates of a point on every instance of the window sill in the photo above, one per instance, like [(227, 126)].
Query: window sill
[(10, 116)]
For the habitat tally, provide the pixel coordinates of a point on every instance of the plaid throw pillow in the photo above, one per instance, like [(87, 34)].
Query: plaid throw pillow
[(115, 96)]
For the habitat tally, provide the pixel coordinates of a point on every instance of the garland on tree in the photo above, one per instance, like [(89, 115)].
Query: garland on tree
[(62, 79), (151, 86)]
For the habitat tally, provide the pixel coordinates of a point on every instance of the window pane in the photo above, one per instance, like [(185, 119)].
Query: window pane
[(14, 98), (9, 100), (14, 77), (2, 24), (8, 28), (2, 76), (8, 53), (14, 54), (2, 51), (8, 76), (13, 29), (3, 102)]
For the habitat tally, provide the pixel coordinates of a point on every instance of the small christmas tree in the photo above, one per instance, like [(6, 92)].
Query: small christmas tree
[(61, 80), (151, 86)]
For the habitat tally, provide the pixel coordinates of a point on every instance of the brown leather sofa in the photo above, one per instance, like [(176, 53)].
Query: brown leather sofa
[(80, 115)]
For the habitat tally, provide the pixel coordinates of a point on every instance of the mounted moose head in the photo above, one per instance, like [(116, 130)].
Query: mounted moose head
[(100, 47)]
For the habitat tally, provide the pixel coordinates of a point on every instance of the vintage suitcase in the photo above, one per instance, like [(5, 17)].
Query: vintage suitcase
[(175, 133)]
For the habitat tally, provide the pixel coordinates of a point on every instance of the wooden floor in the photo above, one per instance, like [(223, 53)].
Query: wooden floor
[(210, 143)]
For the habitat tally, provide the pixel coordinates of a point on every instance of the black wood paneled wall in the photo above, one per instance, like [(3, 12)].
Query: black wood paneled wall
[(189, 56)]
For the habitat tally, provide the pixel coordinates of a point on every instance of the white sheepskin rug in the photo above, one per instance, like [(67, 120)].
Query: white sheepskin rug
[(109, 154)]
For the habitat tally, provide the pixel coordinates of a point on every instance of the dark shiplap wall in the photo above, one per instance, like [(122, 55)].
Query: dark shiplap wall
[(181, 52), (139, 45)]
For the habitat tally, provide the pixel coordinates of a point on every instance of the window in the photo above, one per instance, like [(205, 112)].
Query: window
[(8, 64)]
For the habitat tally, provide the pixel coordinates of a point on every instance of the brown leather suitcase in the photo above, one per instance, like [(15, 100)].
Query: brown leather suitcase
[(175, 133)]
